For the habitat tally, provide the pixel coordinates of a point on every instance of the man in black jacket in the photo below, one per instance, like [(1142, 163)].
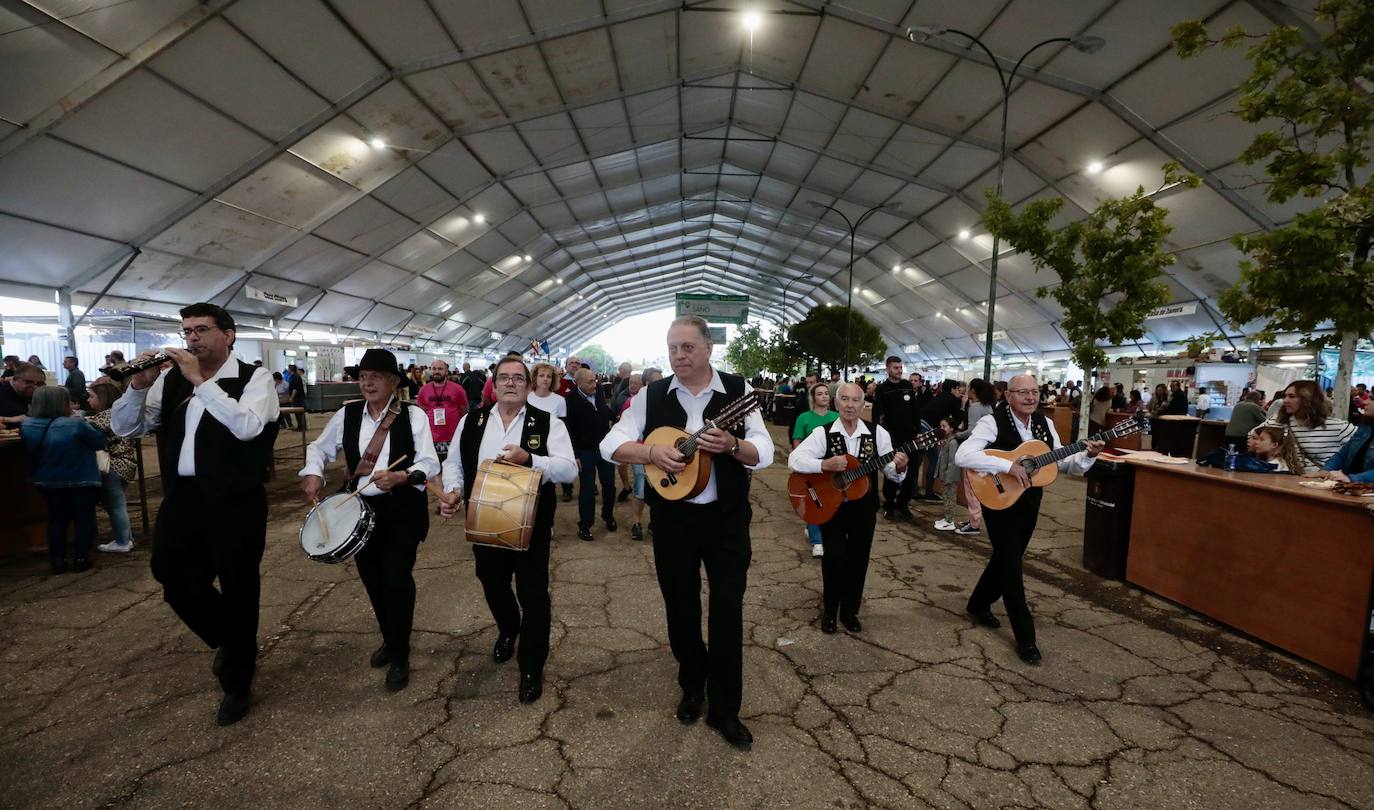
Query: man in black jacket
[(894, 409), (589, 420)]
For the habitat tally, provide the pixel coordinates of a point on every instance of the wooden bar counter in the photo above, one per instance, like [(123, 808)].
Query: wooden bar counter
[(26, 513), (1282, 562)]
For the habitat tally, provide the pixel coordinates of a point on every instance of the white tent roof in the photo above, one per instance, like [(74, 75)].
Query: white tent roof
[(631, 150)]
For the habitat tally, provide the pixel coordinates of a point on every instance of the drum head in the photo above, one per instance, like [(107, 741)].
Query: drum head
[(340, 515)]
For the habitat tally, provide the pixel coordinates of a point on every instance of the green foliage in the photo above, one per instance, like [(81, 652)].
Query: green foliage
[(752, 352), (1316, 105), (1109, 264), (598, 358), (821, 335)]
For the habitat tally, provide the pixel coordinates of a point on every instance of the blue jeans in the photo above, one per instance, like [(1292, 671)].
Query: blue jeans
[(116, 506), (813, 533), (592, 468)]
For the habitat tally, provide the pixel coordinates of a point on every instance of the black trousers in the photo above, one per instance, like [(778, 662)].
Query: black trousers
[(593, 467), (898, 495), (204, 534), (530, 569), (386, 564), (1010, 530), (687, 537), (848, 539)]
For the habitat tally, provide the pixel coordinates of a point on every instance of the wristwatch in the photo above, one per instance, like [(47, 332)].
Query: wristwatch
[(733, 450)]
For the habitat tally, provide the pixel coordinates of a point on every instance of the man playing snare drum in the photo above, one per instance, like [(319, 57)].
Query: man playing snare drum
[(515, 433)]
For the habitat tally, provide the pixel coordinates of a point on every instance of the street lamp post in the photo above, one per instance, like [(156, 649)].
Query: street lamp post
[(787, 287), (1083, 44), (849, 296)]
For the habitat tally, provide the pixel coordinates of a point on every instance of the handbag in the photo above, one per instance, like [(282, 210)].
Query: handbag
[(102, 461)]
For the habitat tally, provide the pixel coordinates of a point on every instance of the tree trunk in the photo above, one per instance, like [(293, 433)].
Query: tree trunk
[(1084, 403), (1340, 389)]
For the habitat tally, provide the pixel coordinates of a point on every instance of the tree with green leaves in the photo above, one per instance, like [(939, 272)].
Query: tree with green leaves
[(748, 353), (821, 335), (1313, 99), (1110, 263), (598, 358)]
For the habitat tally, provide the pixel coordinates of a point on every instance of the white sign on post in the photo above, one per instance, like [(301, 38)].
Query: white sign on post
[(714, 308), (1000, 334), (270, 297), (1173, 310)]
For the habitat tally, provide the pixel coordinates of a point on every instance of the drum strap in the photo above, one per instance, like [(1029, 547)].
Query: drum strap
[(374, 447)]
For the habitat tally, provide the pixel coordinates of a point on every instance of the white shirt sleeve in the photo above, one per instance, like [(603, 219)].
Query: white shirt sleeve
[(426, 459), (452, 468), (630, 428), (138, 413), (757, 434), (884, 442), (325, 448), (248, 415), (560, 465), (806, 457), (970, 455)]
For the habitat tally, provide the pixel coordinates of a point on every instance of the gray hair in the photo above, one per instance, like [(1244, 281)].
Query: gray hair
[(50, 402), (651, 374), (694, 320)]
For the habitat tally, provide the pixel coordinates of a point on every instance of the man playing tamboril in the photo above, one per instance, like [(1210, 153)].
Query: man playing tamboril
[(517, 433)]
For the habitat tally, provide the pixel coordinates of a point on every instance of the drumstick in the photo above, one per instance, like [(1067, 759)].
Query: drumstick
[(324, 528), (364, 485)]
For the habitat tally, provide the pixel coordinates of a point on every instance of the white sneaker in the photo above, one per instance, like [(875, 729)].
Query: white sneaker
[(944, 525), (818, 550), (115, 548)]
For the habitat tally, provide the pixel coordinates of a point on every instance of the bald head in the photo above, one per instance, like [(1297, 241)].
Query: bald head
[(586, 380)]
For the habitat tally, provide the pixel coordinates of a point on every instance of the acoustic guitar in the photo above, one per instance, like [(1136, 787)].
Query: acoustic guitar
[(693, 480), (1001, 490), (817, 496)]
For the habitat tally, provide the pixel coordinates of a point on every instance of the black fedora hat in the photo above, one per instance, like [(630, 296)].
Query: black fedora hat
[(380, 360)]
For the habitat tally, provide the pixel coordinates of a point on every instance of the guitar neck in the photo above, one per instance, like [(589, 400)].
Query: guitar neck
[(731, 415), (878, 462), (1055, 456)]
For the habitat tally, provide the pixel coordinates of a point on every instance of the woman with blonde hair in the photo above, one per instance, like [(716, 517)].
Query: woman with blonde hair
[(1306, 412), (544, 390)]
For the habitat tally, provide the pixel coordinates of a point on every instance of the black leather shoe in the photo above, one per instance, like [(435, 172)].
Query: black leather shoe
[(930, 496), (398, 677), (584, 534), (889, 514), (732, 730), (567, 497), (233, 708), (611, 525), (59, 567), (1028, 653), (624, 495), (689, 708), (81, 564), (828, 625), (984, 618), (217, 665), (636, 532), (904, 513), (851, 623), (380, 658), (504, 649), (531, 686)]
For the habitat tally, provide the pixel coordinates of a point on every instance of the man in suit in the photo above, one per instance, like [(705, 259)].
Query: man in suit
[(589, 420)]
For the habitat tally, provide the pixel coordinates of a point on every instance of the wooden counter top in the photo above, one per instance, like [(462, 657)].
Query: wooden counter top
[(1273, 483)]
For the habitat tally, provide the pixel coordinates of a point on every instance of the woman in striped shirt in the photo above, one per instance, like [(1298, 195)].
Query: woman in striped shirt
[(1306, 411)]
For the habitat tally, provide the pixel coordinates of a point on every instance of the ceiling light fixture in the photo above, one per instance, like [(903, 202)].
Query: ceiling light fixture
[(378, 143), (751, 21), (479, 218), (529, 258), (1297, 357), (964, 234), (1095, 167)]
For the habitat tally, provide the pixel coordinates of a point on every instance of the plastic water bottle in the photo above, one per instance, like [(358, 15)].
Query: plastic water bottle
[(1231, 455)]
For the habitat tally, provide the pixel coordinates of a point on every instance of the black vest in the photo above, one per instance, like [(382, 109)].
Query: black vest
[(835, 445), (1009, 438), (225, 462), (661, 409), (534, 439), (402, 440)]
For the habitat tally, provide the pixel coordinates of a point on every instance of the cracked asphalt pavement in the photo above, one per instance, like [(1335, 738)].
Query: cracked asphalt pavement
[(107, 701)]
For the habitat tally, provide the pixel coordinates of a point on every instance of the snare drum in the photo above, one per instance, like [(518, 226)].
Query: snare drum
[(337, 528), (501, 509)]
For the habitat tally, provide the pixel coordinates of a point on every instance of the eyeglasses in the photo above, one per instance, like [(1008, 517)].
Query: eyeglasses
[(198, 331), (1023, 392), (510, 379)]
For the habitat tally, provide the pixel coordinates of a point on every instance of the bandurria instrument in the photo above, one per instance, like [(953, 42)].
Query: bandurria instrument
[(817, 496), (119, 372), (1000, 490), (691, 481), (502, 506)]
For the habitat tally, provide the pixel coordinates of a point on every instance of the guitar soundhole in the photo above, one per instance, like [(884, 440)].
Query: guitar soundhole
[(678, 445)]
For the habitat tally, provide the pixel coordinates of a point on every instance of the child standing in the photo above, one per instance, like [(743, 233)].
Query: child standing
[(948, 473)]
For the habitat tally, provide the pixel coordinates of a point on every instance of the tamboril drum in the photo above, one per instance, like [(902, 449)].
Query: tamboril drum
[(337, 528), (502, 506)]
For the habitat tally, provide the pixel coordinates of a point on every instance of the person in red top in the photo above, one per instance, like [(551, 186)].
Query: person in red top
[(445, 402), (566, 384)]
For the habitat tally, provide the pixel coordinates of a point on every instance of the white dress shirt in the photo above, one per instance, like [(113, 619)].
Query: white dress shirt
[(807, 456), (630, 428), (559, 466), (971, 456), (326, 448), (137, 413)]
